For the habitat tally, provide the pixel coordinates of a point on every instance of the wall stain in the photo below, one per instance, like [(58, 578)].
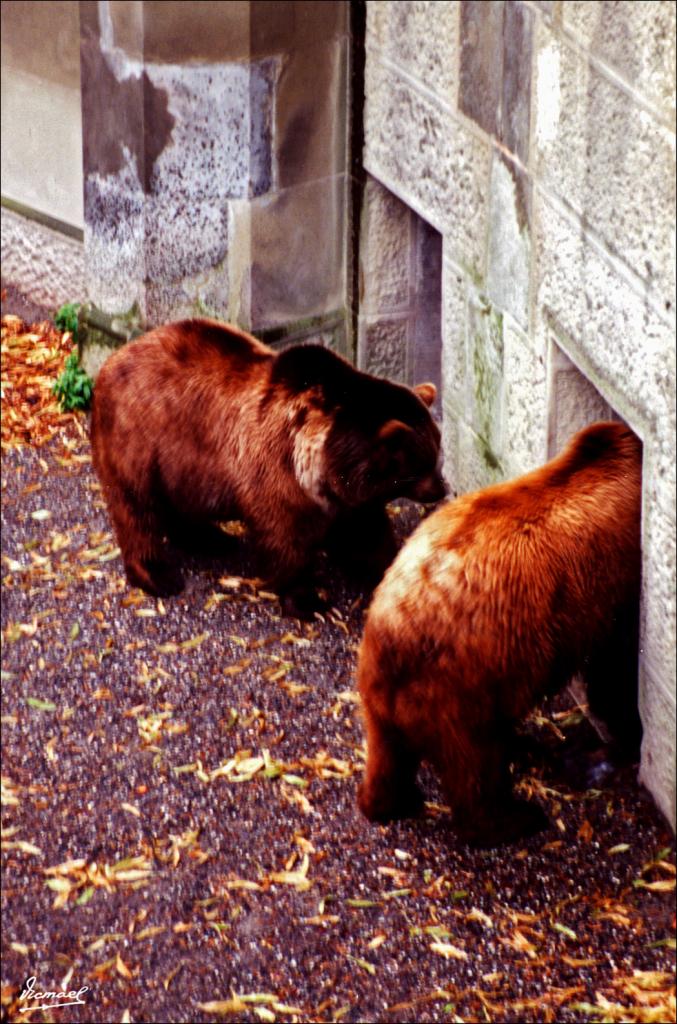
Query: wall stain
[(131, 114)]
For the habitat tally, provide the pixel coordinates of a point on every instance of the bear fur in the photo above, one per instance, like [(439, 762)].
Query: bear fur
[(495, 601), (198, 421)]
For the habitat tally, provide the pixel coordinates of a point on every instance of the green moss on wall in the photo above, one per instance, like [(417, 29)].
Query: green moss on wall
[(486, 358)]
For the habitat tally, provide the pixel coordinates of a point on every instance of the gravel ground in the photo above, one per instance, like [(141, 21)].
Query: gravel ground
[(180, 830)]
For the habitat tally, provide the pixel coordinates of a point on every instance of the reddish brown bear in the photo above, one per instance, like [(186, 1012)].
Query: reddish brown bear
[(198, 421), (496, 600)]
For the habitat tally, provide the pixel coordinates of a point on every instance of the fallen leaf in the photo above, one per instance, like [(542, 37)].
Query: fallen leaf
[(448, 951)]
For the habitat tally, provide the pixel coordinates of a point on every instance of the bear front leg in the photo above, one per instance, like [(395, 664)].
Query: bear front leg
[(199, 537), (294, 582), (362, 542), (143, 550), (389, 788), (288, 552)]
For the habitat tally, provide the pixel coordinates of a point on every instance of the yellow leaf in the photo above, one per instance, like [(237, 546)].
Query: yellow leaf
[(20, 844), (448, 951), (59, 884), (122, 968), (664, 885), (475, 914), (148, 933), (132, 876)]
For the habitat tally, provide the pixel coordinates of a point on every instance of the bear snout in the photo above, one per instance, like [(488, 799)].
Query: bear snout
[(432, 488)]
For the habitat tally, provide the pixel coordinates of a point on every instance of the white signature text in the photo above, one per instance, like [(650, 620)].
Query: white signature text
[(49, 1000)]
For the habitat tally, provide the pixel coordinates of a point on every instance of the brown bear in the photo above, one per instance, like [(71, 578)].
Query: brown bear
[(198, 421), (495, 601)]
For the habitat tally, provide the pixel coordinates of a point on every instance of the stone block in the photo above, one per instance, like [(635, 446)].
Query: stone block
[(607, 325), (215, 139), (609, 159), (454, 322), (485, 371), (422, 37), (658, 584), (636, 40), (385, 250), (481, 72), (382, 346), (508, 265), (477, 465), (114, 241), (660, 469), (171, 228), (202, 294), (221, 137), (429, 160), (450, 452), (310, 113), (239, 263), (657, 709), (297, 252), (43, 264), (516, 87), (525, 426), (495, 70)]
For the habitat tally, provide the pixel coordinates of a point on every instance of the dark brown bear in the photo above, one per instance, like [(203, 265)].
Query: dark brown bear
[(198, 421), (496, 600)]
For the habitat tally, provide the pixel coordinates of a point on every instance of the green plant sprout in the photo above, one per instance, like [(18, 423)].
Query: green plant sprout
[(74, 387), (66, 318)]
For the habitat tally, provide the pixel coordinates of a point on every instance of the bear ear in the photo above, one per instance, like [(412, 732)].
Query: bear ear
[(426, 392), (393, 430)]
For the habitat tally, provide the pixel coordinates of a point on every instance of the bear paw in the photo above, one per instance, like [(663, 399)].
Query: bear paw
[(391, 803), (160, 579), (302, 603)]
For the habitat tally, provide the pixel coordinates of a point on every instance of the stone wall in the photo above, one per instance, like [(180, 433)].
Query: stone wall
[(215, 159), (538, 138), (210, 142)]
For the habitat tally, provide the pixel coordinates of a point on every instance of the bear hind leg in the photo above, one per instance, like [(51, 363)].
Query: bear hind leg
[(478, 784), (389, 788), (611, 681)]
